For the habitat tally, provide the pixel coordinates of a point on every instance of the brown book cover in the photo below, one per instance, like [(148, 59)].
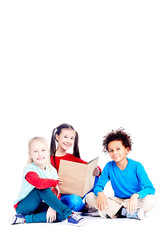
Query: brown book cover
[(77, 178)]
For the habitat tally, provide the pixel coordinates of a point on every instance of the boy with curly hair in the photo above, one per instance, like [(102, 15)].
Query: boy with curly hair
[(133, 190)]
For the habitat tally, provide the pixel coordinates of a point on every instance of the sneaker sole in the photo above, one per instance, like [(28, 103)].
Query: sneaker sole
[(78, 224), (12, 220), (91, 214)]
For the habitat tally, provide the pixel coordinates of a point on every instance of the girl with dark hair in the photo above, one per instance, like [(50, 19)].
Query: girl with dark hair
[(63, 138)]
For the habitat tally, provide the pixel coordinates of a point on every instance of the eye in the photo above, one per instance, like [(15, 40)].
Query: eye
[(110, 151), (43, 150), (35, 151), (118, 149)]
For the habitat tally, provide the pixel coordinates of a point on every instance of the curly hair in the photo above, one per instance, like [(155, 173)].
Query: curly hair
[(119, 135)]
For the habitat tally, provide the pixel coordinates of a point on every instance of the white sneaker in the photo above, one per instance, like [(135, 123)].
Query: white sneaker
[(18, 218), (76, 220), (138, 214)]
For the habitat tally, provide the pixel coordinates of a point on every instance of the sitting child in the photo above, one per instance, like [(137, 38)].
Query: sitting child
[(38, 200), (133, 191)]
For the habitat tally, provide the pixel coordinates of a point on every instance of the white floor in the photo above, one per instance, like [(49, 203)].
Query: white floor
[(95, 228)]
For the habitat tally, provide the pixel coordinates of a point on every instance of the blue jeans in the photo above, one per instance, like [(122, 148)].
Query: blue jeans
[(75, 202), (34, 206)]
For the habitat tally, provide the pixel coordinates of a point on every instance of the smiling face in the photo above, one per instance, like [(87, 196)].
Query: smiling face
[(65, 139), (39, 153), (118, 152)]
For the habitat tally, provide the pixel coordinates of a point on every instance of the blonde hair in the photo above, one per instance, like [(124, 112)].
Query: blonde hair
[(43, 140)]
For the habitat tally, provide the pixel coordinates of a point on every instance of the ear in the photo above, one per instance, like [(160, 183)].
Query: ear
[(57, 137), (127, 150)]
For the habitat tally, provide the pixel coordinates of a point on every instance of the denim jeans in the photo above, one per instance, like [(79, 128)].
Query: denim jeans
[(75, 202), (34, 206)]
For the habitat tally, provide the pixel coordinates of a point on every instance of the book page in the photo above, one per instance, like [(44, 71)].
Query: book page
[(89, 181)]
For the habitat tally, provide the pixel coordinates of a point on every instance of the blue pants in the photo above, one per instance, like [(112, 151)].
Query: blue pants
[(75, 202), (34, 206)]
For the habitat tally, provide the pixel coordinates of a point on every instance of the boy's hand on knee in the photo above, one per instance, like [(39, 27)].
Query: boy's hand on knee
[(132, 204), (101, 201)]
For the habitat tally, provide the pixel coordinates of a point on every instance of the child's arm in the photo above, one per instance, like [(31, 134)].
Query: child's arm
[(147, 186), (103, 179), (40, 183), (132, 203), (101, 201), (76, 159), (98, 190)]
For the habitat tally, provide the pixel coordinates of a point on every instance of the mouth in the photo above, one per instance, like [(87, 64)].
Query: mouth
[(40, 158), (67, 145), (115, 157)]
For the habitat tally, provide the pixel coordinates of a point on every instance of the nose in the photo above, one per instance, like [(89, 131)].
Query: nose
[(68, 140), (114, 152), (39, 153)]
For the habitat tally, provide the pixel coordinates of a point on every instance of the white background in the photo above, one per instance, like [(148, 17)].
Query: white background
[(92, 64)]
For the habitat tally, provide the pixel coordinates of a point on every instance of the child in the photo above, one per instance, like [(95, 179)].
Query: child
[(36, 201), (132, 188), (66, 137)]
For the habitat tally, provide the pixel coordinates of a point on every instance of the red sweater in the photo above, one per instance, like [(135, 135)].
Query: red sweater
[(68, 157), (40, 183)]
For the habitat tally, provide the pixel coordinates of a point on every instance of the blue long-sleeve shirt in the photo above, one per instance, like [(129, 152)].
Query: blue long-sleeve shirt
[(133, 179)]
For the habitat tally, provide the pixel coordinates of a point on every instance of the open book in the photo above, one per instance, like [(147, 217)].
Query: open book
[(77, 177)]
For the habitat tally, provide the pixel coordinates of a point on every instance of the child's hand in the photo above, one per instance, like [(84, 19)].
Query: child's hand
[(101, 201), (60, 180), (96, 172), (50, 215), (57, 191), (132, 204)]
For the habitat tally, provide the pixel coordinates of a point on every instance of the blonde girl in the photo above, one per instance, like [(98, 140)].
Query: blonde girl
[(36, 201)]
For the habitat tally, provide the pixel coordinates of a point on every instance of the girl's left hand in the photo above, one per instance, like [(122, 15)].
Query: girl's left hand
[(57, 191), (50, 215), (60, 180), (96, 172), (132, 204)]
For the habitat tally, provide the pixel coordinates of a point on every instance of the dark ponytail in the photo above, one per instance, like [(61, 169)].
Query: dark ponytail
[(57, 131), (53, 142), (76, 146)]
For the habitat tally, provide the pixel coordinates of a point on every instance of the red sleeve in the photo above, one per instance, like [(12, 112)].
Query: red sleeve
[(40, 183), (100, 170), (76, 159)]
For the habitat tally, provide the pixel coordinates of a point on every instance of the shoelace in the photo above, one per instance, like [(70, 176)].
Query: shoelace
[(76, 217), (20, 220)]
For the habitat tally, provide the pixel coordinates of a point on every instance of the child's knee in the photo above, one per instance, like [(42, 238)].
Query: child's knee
[(74, 202), (91, 199), (149, 202), (77, 203)]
